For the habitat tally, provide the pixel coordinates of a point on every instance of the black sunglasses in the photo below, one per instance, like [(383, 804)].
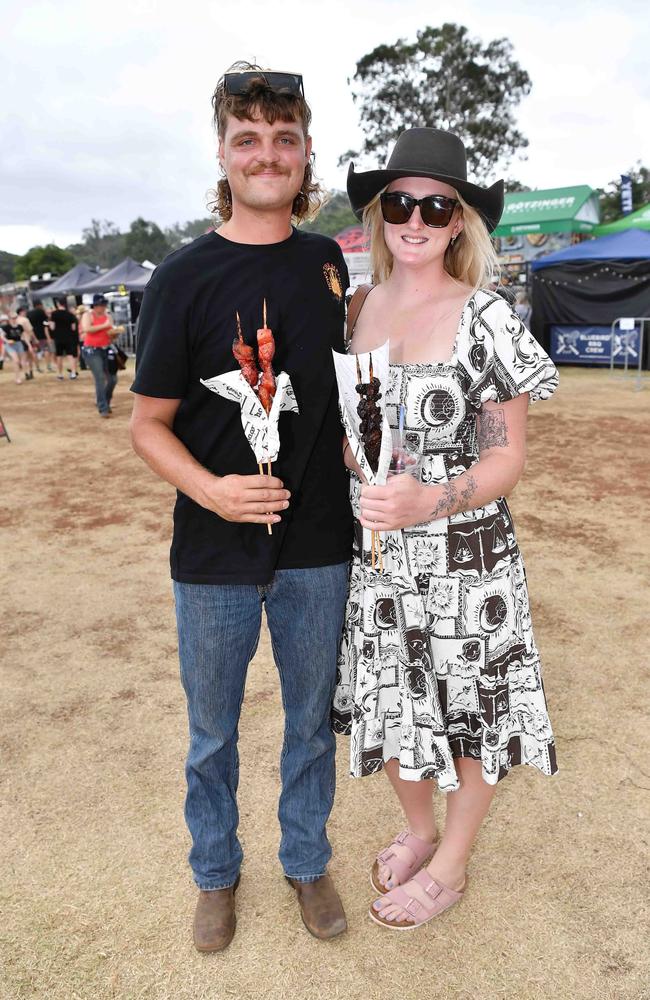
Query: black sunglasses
[(236, 84), (436, 210)]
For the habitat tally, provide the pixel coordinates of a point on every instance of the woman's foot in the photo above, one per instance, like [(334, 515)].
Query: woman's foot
[(450, 875), (415, 903), (398, 862)]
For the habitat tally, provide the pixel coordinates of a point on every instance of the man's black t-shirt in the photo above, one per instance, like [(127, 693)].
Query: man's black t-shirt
[(185, 333), (38, 317), (65, 325)]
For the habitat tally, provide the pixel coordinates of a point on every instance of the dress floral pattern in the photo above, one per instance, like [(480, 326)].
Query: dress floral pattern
[(438, 658)]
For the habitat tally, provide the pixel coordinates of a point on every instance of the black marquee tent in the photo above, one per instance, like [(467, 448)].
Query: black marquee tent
[(69, 283), (128, 274), (591, 284)]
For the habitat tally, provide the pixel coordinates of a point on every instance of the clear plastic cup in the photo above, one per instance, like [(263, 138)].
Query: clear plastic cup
[(404, 459)]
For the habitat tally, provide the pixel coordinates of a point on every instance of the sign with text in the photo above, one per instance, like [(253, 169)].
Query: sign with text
[(592, 345)]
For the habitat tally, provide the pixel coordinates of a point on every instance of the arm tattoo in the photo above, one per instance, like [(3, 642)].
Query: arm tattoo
[(492, 430), (468, 491), (451, 502), (447, 502)]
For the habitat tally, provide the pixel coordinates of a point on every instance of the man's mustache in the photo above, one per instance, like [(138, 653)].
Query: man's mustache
[(266, 168)]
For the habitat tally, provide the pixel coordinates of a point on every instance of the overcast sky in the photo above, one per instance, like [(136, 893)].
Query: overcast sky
[(106, 108)]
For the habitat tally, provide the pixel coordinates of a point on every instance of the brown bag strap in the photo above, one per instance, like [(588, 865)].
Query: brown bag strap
[(354, 308)]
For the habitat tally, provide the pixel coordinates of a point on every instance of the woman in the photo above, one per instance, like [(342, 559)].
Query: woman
[(440, 675), (29, 340), (12, 335), (98, 332)]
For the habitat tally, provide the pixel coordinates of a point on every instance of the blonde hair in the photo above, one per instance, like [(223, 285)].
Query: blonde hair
[(471, 258)]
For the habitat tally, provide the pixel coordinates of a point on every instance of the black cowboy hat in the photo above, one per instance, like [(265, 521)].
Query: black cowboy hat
[(427, 152)]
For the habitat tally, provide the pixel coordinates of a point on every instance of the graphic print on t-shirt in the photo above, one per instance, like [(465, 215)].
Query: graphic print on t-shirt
[(333, 279)]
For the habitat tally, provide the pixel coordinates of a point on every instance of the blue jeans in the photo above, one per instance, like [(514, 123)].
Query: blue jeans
[(96, 359), (218, 633)]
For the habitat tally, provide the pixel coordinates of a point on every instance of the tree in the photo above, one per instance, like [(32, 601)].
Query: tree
[(102, 244), (511, 184), (146, 241), (41, 260), (610, 196), (446, 80), (335, 216), (7, 263), (181, 233)]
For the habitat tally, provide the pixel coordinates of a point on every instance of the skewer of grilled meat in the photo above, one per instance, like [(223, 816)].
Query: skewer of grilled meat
[(245, 356), (370, 425), (265, 352)]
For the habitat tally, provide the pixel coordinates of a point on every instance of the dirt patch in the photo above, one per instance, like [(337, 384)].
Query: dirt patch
[(96, 894)]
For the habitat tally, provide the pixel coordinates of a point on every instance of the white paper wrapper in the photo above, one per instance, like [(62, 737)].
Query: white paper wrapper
[(349, 398), (261, 430), (347, 379)]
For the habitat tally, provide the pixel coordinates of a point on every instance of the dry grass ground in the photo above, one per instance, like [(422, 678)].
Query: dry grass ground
[(96, 896)]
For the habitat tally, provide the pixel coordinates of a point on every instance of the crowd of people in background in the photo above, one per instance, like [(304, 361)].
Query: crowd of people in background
[(39, 340)]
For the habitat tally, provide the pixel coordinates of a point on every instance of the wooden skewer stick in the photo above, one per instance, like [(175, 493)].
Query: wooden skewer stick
[(261, 470)]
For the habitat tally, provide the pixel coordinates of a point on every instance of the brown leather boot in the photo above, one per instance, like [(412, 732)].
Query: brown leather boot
[(214, 919), (320, 907)]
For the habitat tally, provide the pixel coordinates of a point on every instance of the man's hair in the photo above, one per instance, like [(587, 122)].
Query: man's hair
[(260, 101), (37, 302)]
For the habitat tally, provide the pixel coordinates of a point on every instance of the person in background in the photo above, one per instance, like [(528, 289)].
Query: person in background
[(505, 290), (63, 325), (97, 333), (523, 308), (79, 312), (30, 341), (37, 316), (14, 345)]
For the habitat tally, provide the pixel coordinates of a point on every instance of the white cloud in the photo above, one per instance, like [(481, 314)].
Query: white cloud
[(109, 113)]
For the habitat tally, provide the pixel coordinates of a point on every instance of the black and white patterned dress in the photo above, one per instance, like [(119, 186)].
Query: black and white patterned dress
[(438, 658)]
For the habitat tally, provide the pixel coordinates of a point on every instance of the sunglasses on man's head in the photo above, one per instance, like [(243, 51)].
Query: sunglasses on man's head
[(236, 84), (436, 210)]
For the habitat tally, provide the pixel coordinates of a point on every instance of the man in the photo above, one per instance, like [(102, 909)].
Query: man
[(66, 339), (38, 318), (225, 564)]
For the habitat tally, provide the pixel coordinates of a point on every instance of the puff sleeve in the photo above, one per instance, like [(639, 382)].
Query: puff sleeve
[(500, 358)]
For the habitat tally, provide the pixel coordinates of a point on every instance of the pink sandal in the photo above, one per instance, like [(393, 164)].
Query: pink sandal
[(402, 869), (440, 898)]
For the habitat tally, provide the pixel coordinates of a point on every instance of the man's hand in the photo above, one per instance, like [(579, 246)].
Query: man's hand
[(247, 499)]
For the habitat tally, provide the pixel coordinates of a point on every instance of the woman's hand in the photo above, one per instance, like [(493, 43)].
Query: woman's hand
[(401, 503), (404, 501)]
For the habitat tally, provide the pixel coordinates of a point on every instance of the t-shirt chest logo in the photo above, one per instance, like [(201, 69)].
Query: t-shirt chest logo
[(333, 279)]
